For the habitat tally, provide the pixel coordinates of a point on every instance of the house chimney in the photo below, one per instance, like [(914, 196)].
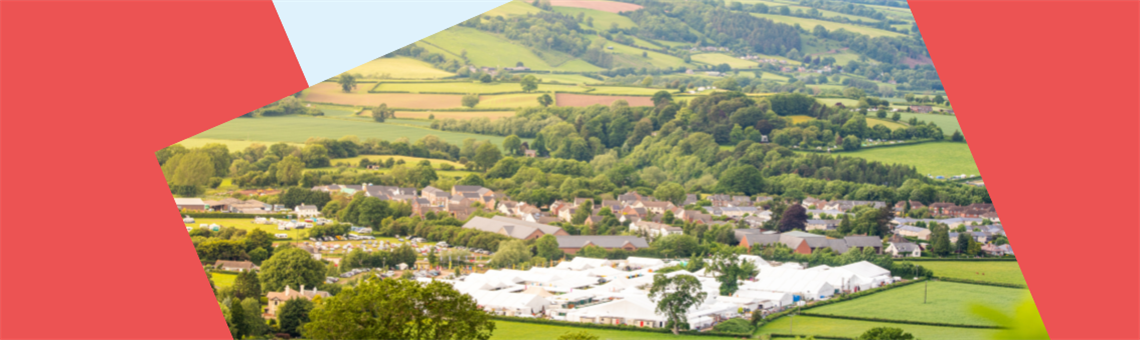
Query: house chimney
[(286, 291), (302, 289)]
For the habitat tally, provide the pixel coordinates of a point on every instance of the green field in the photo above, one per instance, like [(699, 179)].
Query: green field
[(799, 118), (486, 49), (297, 129), (884, 122), (515, 7), (399, 67), (223, 279), (793, 8), (717, 59), (509, 100), (829, 25), (602, 20), (991, 271), (628, 90), (472, 87), (435, 163), (809, 325), (949, 124), (934, 158), (567, 78), (232, 145), (946, 302), (519, 330), (246, 224), (629, 56)]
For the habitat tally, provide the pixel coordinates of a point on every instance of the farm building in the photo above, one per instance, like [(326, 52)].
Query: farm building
[(235, 266), (513, 227), (190, 204), (571, 244), (904, 249)]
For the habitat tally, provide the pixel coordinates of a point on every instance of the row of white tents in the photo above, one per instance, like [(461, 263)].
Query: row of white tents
[(616, 291)]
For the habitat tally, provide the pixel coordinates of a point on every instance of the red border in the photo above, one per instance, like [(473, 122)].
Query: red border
[(1046, 93), (92, 246)]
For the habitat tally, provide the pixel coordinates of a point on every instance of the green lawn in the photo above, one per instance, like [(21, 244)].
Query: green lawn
[(472, 87), (515, 7), (602, 20), (808, 325), (399, 67), (799, 118), (934, 158), (629, 56), (232, 145), (297, 129), (718, 58), (991, 271), (223, 279), (949, 124), (829, 25), (520, 330), (946, 302), (884, 122), (793, 8), (245, 224), (486, 49)]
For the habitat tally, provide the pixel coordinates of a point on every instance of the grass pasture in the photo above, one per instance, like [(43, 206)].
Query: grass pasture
[(566, 78), (573, 99), (399, 67), (486, 49), (629, 56), (515, 7), (232, 145), (948, 123), (245, 224), (799, 118), (509, 100), (934, 158), (297, 129), (990, 271), (600, 5), (946, 302), (829, 25), (458, 115), (717, 59), (884, 122), (471, 87), (602, 20), (810, 325), (331, 93), (223, 279), (435, 163), (793, 8), (520, 330)]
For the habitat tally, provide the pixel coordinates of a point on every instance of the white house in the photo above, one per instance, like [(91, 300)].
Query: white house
[(904, 249), (304, 211)]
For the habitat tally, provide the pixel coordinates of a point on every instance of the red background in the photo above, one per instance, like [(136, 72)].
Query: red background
[(91, 246)]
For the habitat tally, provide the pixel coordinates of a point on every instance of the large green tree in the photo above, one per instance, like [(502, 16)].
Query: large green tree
[(745, 179), (399, 309), (487, 155), (529, 83), (291, 267), (511, 253), (293, 314), (547, 247), (671, 192), (347, 82), (674, 295), (247, 285)]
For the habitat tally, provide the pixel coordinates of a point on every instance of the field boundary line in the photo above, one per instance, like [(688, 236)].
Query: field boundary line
[(920, 323)]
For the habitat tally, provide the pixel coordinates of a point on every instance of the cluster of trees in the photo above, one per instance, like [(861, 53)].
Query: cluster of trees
[(736, 30), (542, 30), (229, 243), (441, 227), (438, 60), (285, 106), (357, 258)]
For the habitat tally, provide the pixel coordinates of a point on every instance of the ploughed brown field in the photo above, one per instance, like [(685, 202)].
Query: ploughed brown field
[(607, 6), (331, 93), (571, 99)]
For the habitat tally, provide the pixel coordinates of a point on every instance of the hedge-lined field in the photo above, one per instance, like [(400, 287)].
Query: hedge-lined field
[(297, 129), (223, 279), (399, 67), (519, 330), (936, 158), (949, 124), (989, 271), (946, 302), (471, 87), (810, 325)]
